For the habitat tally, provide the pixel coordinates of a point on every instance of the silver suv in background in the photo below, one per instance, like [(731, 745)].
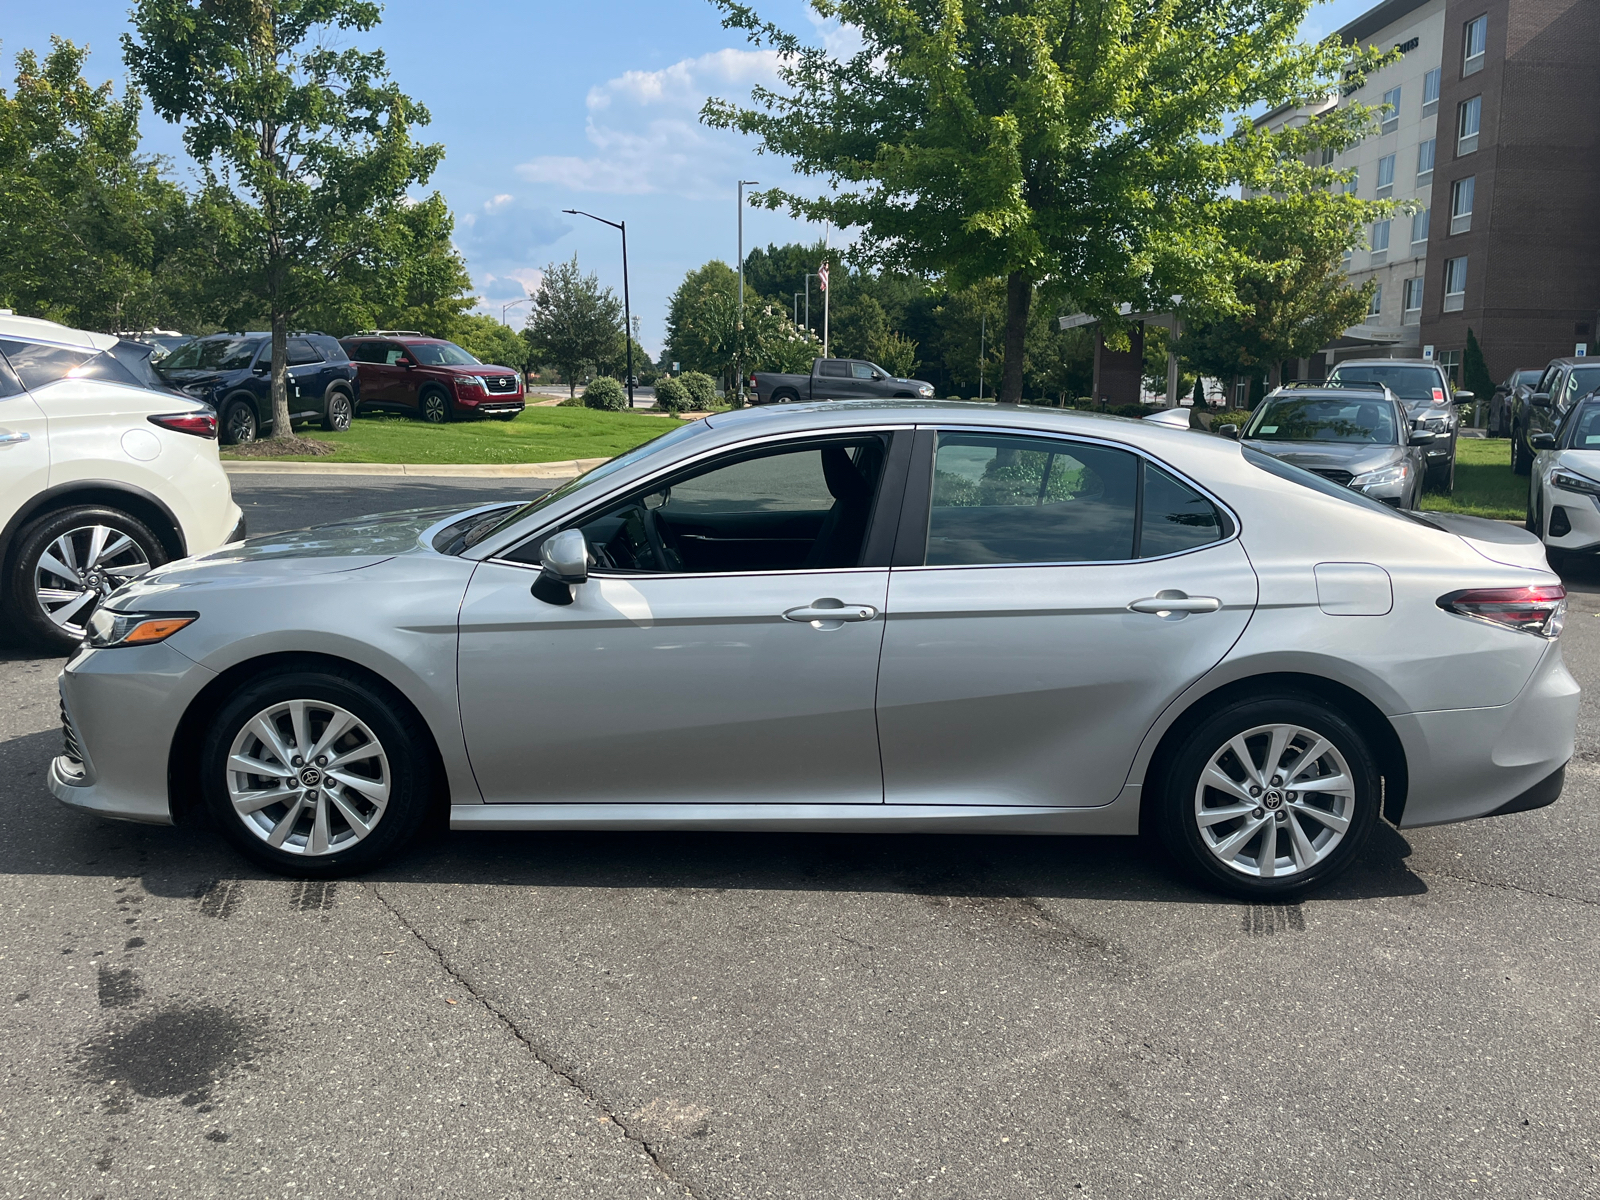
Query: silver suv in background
[(1424, 388)]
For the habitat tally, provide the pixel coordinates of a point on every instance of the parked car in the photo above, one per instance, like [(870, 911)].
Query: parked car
[(233, 373), (1356, 436), (836, 379), (1086, 617), (1425, 389), (1540, 406), (431, 378), (1500, 402), (162, 342), (105, 472), (1564, 483)]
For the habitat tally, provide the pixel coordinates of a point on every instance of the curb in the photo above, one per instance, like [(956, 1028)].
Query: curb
[(544, 470)]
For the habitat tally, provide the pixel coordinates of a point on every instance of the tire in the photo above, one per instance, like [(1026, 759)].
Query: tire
[(785, 396), (52, 607), (1214, 855), (240, 426), (387, 781), (1532, 523), (337, 412), (435, 408), (1521, 460)]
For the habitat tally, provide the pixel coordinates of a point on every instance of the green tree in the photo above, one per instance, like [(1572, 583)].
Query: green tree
[(87, 224), (693, 340), (1475, 376), (487, 340), (306, 147), (1071, 143), (575, 323)]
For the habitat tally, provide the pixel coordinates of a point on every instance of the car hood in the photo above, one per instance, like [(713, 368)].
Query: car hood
[(1581, 462), (274, 557), (194, 378), (1354, 457), (480, 369), (1426, 408), (1498, 541)]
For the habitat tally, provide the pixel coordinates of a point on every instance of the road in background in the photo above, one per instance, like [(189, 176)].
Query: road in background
[(719, 1016)]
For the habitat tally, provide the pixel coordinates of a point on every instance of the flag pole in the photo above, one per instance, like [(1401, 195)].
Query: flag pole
[(826, 288)]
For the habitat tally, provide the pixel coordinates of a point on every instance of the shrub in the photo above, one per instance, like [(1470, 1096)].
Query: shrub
[(702, 390), (671, 395), (605, 392), (1234, 416)]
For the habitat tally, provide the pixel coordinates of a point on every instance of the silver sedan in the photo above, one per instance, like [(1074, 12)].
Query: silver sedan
[(854, 616)]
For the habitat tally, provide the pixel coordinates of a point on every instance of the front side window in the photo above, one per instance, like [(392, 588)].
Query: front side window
[(862, 370), (1461, 204), (1474, 41), (1468, 119), (1455, 284), (441, 354), (391, 354), (1581, 428), (1321, 419), (1430, 91), (788, 508)]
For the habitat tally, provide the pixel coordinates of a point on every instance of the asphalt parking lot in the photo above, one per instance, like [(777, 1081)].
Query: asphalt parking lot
[(722, 1016)]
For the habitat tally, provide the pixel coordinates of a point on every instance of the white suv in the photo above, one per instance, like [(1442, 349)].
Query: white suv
[(105, 472)]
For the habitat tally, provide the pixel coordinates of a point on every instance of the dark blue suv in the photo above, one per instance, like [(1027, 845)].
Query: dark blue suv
[(233, 372)]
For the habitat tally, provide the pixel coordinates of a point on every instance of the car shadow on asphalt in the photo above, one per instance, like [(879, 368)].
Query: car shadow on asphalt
[(39, 836)]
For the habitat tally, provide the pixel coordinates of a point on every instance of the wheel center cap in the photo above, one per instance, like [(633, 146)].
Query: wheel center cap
[(310, 777), (1272, 800)]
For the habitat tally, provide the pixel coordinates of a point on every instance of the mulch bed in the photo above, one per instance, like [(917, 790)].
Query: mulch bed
[(278, 447)]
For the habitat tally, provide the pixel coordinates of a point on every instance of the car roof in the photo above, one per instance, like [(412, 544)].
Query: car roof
[(1385, 362), (1573, 360), (39, 330)]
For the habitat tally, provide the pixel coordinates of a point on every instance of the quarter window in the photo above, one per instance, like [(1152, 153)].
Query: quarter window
[(1174, 516)]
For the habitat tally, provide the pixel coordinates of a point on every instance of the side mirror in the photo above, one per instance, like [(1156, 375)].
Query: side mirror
[(1543, 441), (1227, 431), (1420, 437), (1540, 399), (1463, 396), (876, 375), (563, 561), (263, 368)]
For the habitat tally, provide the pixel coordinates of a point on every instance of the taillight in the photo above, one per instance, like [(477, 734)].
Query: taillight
[(1541, 610), (200, 424)]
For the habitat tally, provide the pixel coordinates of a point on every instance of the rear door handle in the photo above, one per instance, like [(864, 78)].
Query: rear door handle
[(1171, 604), (830, 610), (11, 439)]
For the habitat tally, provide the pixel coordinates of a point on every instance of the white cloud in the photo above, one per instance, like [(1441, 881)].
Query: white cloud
[(645, 129), (507, 232)]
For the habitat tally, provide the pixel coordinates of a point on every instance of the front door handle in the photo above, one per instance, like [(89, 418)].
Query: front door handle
[(1174, 605), (829, 612), (11, 439)]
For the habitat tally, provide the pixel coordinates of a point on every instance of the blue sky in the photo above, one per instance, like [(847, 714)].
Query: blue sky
[(544, 106)]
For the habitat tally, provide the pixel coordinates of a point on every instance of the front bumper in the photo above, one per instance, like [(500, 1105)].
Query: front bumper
[(1582, 519), (1476, 762)]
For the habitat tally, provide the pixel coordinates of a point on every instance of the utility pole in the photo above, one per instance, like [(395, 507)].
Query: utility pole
[(983, 332), (627, 315), (797, 308), (738, 363), (810, 275), (822, 276)]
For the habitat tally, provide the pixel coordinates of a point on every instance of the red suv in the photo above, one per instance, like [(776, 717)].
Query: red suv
[(435, 379)]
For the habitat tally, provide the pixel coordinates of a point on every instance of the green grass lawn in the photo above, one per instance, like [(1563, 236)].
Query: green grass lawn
[(536, 435), (1485, 486)]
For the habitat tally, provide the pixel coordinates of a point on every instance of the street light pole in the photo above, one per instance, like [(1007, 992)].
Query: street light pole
[(739, 341), (983, 332), (627, 312), (810, 275), (510, 304), (797, 308)]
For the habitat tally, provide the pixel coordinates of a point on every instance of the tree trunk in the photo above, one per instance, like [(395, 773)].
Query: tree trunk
[(280, 372), (1019, 298)]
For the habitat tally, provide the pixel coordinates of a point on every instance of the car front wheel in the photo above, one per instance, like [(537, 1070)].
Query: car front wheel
[(316, 773), (1270, 798), (69, 561), (1521, 459)]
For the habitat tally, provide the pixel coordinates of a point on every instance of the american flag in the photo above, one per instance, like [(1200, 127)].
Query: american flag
[(822, 273)]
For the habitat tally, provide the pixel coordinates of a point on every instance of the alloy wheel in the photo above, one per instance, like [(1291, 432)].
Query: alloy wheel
[(435, 409), (241, 426), (82, 567), (339, 414), (308, 777), (1274, 800)]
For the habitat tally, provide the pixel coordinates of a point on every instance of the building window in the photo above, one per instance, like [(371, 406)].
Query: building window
[(1376, 307), (1413, 302), (1419, 228), (1327, 157), (1425, 162), (1468, 118), (1430, 91), (1461, 204), (1391, 117), (1450, 360), (1474, 41), (1385, 176), (1380, 241), (1351, 188), (1455, 284), (1241, 391)]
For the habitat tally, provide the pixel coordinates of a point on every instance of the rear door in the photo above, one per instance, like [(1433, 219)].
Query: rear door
[(306, 377), (1052, 599), (832, 379)]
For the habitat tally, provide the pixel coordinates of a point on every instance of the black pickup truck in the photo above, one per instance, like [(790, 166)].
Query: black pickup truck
[(836, 379)]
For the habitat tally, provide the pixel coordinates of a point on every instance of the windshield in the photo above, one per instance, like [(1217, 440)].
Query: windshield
[(1370, 420), (213, 354), (441, 354), (681, 434), (1583, 381), (1409, 381), (1309, 479)]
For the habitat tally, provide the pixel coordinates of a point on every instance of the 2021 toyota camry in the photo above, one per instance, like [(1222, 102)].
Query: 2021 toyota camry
[(850, 616)]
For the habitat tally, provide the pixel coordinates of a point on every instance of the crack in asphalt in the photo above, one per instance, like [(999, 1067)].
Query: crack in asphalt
[(541, 1054), (1510, 887)]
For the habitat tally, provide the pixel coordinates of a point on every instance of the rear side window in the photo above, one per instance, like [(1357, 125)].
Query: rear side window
[(136, 357), (834, 368), (39, 365), (331, 350), (301, 352), (1004, 499)]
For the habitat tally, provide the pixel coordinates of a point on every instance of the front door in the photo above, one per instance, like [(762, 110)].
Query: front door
[(24, 446), (702, 662), (1053, 617)]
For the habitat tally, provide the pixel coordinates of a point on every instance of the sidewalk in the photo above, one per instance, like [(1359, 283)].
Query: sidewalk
[(545, 470)]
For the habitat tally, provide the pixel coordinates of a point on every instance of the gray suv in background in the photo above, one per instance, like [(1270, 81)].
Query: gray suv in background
[(1424, 389), (1538, 407)]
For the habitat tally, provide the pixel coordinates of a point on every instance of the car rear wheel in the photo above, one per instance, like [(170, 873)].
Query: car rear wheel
[(338, 411), (1269, 798), (316, 773), (239, 425), (69, 561), (436, 407)]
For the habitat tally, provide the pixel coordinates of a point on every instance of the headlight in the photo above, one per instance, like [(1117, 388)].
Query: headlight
[(1568, 482), (471, 381), (925, 390), (1398, 473), (107, 628)]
